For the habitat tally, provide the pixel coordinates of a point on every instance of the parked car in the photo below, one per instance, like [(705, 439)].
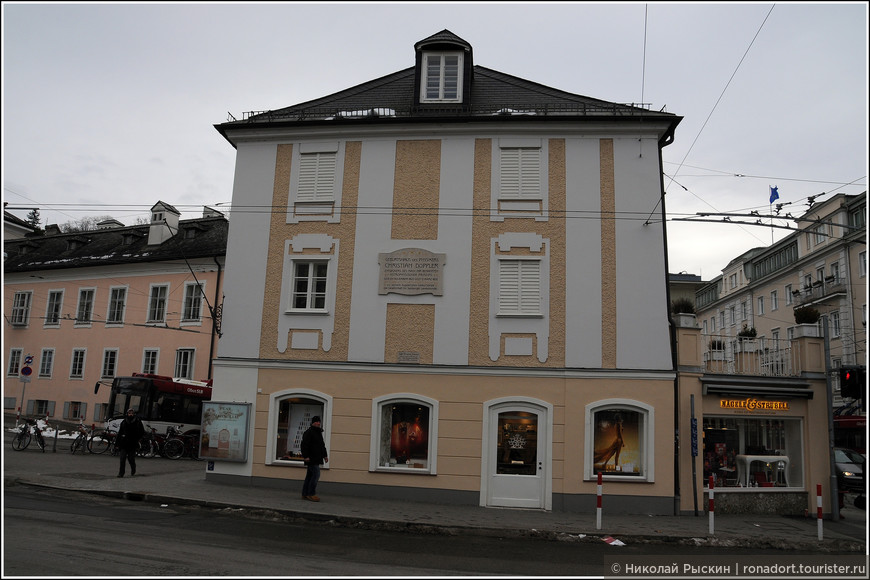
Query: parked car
[(850, 470)]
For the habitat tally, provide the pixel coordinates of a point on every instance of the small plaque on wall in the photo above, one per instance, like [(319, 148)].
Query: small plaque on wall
[(411, 271), (409, 357)]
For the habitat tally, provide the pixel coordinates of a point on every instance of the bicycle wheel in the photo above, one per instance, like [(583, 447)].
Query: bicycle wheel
[(21, 440), (76, 444), (173, 448), (40, 441), (99, 442)]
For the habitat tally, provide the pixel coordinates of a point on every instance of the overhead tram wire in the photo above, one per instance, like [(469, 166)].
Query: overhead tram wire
[(722, 94)]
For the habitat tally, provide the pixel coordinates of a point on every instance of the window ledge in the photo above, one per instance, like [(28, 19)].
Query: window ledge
[(518, 315), (404, 470), (307, 312)]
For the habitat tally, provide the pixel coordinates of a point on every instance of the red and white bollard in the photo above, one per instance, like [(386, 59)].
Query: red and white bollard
[(710, 508), (598, 509), (819, 509)]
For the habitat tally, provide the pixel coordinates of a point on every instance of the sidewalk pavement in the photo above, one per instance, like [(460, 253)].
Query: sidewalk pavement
[(183, 481)]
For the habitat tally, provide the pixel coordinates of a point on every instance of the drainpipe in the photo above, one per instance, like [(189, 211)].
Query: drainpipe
[(673, 338), (213, 322)]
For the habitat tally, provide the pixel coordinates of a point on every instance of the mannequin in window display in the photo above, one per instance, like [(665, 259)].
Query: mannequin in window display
[(602, 456)]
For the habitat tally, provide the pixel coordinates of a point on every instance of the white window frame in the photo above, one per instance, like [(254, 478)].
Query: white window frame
[(21, 308), (16, 359), (862, 264), (109, 367), (834, 318), (760, 306), (519, 286), (379, 458), (316, 183), (191, 309), (519, 179), (157, 304), (53, 308), (646, 432), (46, 363), (789, 298), (85, 306), (117, 308), (146, 355), (185, 358), (275, 399), (440, 73), (311, 294), (77, 363)]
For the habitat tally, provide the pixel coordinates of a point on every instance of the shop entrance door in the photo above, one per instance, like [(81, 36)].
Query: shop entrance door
[(516, 456)]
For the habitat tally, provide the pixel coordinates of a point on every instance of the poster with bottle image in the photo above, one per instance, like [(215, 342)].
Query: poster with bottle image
[(225, 431)]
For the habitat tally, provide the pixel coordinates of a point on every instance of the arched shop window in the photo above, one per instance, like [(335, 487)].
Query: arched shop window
[(620, 440), (763, 452), (290, 414), (405, 434)]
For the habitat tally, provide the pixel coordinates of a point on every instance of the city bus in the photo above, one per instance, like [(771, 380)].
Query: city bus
[(159, 401)]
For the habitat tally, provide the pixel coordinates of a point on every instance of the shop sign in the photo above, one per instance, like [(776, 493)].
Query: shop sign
[(751, 404)]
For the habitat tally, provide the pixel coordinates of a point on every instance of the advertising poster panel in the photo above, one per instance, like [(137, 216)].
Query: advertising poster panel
[(225, 431)]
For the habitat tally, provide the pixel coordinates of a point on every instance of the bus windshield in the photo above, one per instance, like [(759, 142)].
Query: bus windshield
[(159, 401)]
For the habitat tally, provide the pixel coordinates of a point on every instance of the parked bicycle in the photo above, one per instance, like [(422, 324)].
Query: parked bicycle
[(180, 444), (80, 443), (103, 440), (151, 444), (28, 431)]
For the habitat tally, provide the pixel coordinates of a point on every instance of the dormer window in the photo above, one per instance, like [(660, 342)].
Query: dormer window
[(157, 217), (442, 81)]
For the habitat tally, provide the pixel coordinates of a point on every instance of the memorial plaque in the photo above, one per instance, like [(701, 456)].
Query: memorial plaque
[(411, 271), (409, 357)]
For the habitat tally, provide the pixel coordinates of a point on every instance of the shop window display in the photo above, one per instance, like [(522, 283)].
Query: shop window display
[(517, 443), (294, 417), (618, 442), (404, 435), (749, 452)]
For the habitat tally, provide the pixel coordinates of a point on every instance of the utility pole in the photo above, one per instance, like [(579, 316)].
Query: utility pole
[(835, 492)]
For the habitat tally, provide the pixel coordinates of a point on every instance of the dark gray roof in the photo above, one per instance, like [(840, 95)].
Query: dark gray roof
[(493, 96), (107, 247), (14, 219)]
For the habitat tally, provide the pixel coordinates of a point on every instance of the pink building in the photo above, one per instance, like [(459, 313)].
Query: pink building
[(92, 305)]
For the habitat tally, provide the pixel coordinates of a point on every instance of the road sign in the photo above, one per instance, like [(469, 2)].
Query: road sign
[(24, 379), (28, 360), (26, 371)]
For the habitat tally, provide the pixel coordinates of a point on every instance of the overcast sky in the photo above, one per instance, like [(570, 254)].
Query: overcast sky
[(108, 108)]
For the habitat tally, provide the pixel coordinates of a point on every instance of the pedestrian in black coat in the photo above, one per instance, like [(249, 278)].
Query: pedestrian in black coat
[(314, 455), (129, 434)]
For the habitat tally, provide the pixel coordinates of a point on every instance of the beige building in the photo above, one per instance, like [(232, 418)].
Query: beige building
[(89, 306), (450, 278), (822, 266)]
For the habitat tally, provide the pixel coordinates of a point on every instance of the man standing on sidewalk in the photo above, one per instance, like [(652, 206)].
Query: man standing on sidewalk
[(129, 434), (314, 455)]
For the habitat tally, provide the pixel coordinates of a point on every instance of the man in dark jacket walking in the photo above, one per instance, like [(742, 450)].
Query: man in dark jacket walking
[(314, 455), (129, 434)]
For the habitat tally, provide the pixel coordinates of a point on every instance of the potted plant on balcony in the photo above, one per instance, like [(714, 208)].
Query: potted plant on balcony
[(717, 349), (683, 310), (746, 338), (807, 319)]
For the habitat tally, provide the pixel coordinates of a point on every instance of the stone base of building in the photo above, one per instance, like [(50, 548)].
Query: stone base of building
[(575, 503), (782, 503)]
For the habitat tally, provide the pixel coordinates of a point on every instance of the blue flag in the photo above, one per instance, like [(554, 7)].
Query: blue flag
[(774, 194)]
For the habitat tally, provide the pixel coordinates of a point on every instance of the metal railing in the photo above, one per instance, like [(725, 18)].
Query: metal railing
[(368, 112), (820, 290), (750, 356)]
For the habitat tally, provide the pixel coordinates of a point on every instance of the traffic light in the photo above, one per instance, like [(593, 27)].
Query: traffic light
[(852, 382)]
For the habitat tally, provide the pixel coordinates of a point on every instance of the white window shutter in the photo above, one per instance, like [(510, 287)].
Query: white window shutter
[(520, 174), (520, 287), (316, 177)]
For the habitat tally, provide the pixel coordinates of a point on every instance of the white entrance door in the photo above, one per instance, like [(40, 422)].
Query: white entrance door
[(516, 456)]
